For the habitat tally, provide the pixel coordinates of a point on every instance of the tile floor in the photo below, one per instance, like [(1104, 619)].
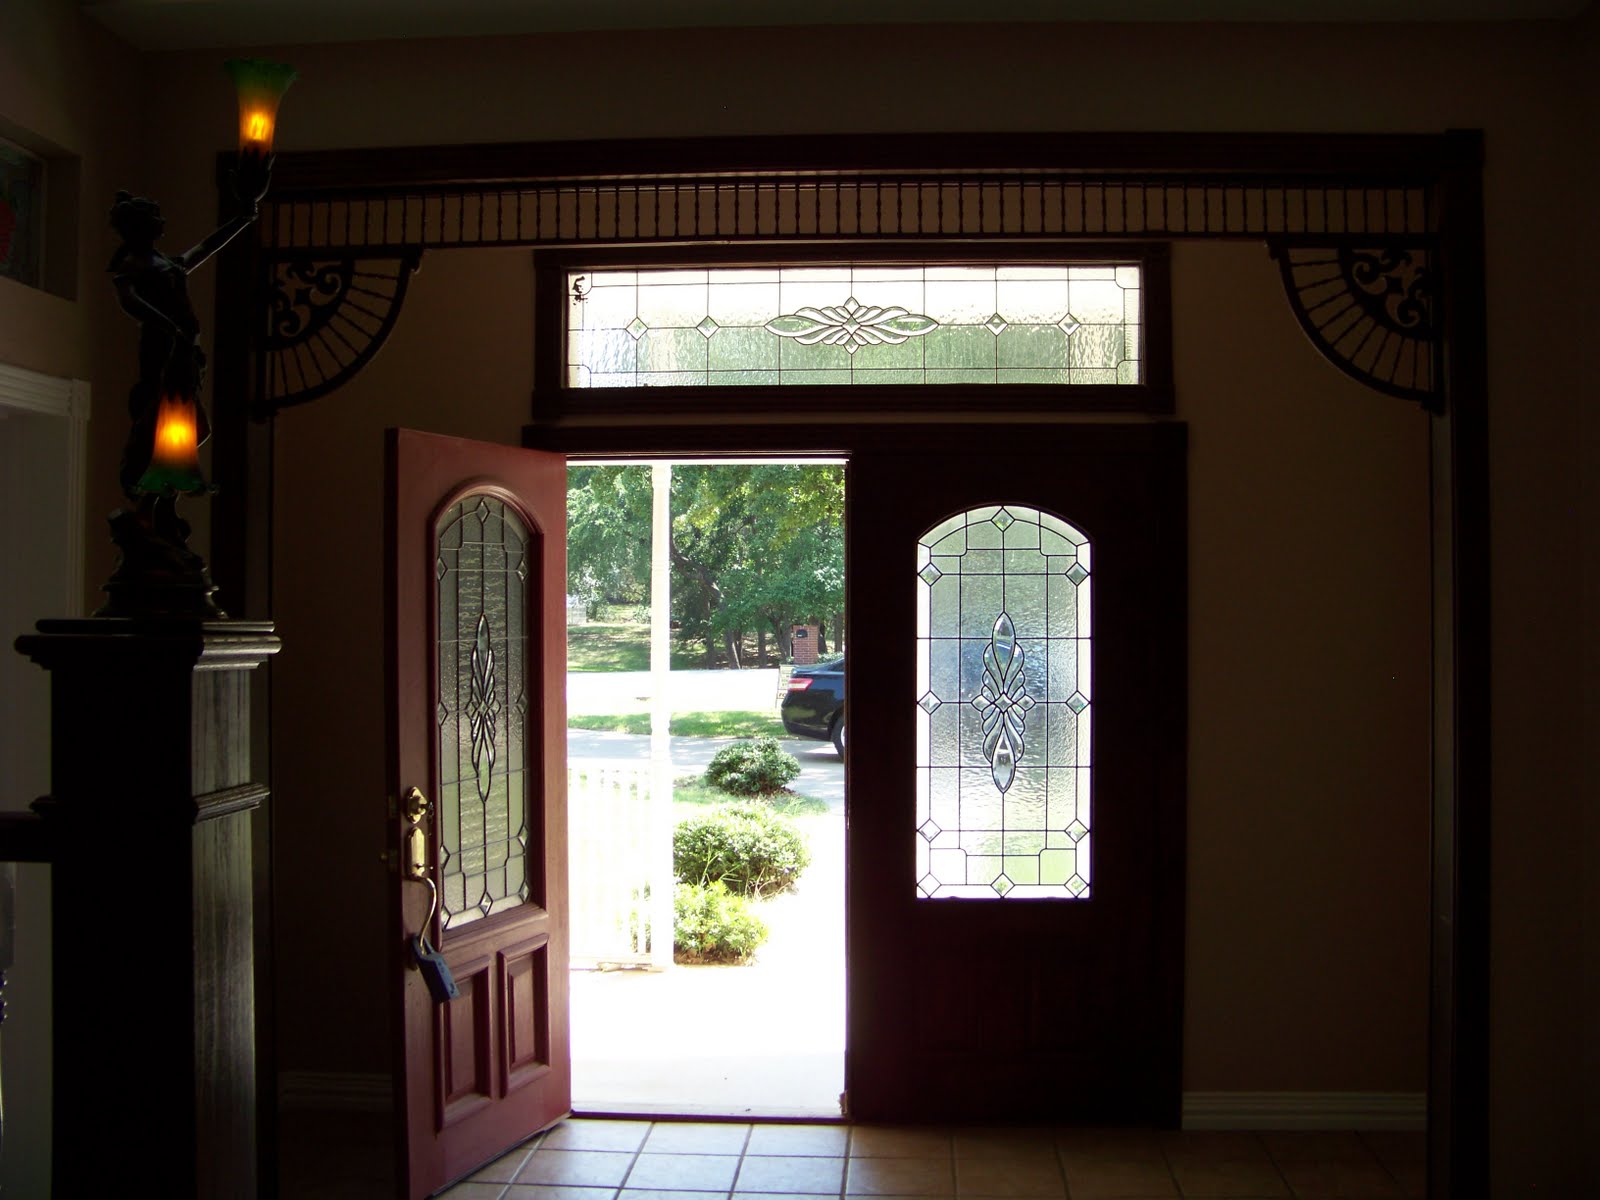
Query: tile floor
[(641, 1160)]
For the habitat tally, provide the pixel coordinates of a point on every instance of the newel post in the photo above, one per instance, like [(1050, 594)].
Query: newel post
[(149, 815)]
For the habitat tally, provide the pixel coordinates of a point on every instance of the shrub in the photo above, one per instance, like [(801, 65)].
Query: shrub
[(713, 925), (752, 849), (757, 767)]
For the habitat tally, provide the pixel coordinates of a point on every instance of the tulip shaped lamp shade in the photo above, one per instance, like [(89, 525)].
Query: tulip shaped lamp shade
[(175, 450), (261, 85)]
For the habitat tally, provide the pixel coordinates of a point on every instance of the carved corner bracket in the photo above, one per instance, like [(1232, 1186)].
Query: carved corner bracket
[(327, 315), (1370, 310)]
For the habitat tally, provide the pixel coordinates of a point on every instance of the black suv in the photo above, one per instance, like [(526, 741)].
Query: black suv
[(813, 705)]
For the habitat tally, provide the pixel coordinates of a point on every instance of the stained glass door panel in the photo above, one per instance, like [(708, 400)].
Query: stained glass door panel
[(478, 725), (1003, 687), (1016, 870)]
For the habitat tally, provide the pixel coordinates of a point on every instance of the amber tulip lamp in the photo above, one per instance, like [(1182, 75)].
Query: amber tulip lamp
[(159, 575)]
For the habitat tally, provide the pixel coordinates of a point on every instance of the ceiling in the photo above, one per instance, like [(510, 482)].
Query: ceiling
[(197, 24)]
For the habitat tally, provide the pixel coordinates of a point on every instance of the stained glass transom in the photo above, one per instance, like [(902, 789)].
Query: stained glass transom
[(1003, 696), (1049, 324), (482, 710)]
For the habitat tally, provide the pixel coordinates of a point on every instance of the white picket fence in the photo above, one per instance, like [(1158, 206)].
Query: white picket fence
[(620, 865)]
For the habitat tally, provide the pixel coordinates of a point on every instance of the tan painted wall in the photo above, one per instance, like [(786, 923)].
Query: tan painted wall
[(1306, 894), (68, 82)]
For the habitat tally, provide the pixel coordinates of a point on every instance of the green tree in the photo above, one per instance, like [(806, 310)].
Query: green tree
[(752, 547)]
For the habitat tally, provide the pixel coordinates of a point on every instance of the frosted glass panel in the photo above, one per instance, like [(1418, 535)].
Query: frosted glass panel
[(482, 567), (1003, 707), (1050, 324)]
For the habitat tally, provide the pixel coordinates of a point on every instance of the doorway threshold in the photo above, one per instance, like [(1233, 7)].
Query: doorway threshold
[(771, 1114)]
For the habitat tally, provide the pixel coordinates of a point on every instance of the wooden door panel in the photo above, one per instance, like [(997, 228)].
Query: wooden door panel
[(465, 1041), (476, 617), (1008, 1008), (526, 1004)]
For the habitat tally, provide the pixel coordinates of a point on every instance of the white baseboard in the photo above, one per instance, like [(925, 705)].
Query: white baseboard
[(1305, 1110), (335, 1091)]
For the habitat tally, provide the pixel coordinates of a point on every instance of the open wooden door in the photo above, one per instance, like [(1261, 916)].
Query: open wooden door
[(1016, 872), (476, 610)]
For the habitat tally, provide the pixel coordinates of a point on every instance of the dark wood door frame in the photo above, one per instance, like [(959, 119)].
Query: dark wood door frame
[(1282, 189)]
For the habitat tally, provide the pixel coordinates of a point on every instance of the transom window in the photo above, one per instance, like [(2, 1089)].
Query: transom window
[(1003, 685), (875, 323)]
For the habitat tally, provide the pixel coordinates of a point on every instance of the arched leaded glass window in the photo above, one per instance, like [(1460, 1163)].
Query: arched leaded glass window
[(482, 571), (1003, 685)]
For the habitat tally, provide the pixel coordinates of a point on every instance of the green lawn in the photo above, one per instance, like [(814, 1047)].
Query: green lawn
[(618, 647), (686, 724), (692, 792)]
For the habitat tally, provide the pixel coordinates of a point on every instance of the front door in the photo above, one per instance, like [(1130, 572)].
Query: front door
[(1016, 699), (477, 581)]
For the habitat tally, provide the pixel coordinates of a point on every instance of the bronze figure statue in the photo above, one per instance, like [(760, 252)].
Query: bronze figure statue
[(159, 574)]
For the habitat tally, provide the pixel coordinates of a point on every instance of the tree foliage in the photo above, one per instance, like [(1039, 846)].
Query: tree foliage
[(753, 547)]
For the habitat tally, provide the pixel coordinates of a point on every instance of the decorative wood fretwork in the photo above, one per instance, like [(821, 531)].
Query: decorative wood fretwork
[(328, 322), (834, 206), (1368, 307), (326, 316)]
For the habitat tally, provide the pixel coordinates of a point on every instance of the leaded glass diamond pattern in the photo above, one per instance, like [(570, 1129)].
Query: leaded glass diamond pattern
[(930, 574), (976, 323), (1003, 773), (481, 709)]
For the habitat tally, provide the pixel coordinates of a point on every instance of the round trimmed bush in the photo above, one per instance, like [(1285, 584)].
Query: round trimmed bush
[(752, 849), (713, 925), (754, 767)]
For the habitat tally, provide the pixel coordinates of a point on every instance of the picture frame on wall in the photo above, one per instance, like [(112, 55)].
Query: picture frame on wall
[(21, 214)]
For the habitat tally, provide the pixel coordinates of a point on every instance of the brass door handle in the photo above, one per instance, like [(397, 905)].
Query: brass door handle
[(414, 806)]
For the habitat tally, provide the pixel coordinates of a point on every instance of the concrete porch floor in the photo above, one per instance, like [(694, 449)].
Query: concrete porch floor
[(761, 1040)]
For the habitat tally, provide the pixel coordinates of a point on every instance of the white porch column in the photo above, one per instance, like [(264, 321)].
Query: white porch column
[(661, 912)]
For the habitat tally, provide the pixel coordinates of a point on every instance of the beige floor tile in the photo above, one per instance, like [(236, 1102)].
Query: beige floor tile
[(683, 1172), (1229, 1180), (473, 1191), (661, 1194), (1204, 1145), (585, 1168), (1100, 1179), (900, 1177), (1027, 1176), (1404, 1154), (1019, 1144), (809, 1175), (827, 1141), (696, 1137), (504, 1168), (891, 1141), (1111, 1145), (1344, 1181), (561, 1191), (1394, 1147), (1296, 1147), (597, 1135)]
